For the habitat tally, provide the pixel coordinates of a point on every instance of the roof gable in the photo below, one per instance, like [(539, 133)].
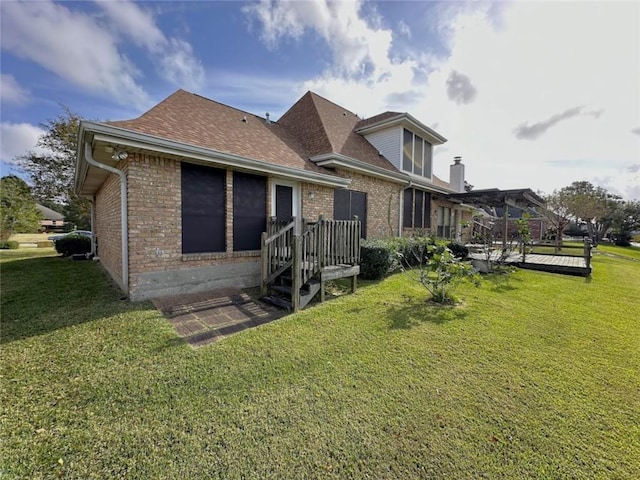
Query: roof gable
[(326, 127), (192, 119)]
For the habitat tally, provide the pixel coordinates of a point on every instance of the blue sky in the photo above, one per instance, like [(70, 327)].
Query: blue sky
[(530, 94)]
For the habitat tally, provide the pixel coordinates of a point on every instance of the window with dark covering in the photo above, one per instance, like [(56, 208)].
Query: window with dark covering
[(407, 213), (203, 208), (284, 202), (249, 211), (417, 209), (347, 203)]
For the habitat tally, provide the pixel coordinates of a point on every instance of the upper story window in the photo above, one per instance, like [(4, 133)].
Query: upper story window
[(416, 154)]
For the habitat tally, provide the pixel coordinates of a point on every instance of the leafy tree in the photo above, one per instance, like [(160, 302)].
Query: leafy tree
[(556, 211), (52, 173), (624, 220), (592, 205), (18, 210)]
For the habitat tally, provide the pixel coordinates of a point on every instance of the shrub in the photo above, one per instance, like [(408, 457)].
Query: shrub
[(411, 251), (9, 245), (458, 249), (441, 273), (376, 259), (622, 239), (73, 245)]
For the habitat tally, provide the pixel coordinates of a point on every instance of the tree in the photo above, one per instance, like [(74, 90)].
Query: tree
[(591, 205), (18, 209), (624, 220), (556, 211), (52, 173)]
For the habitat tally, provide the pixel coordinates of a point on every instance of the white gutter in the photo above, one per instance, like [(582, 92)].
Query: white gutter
[(127, 138), (124, 220)]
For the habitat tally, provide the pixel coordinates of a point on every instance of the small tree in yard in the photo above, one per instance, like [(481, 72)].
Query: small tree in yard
[(438, 270)]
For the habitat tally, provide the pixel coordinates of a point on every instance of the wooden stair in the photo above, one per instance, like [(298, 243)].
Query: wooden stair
[(296, 267)]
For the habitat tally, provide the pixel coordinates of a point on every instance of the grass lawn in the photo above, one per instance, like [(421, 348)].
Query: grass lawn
[(537, 377)]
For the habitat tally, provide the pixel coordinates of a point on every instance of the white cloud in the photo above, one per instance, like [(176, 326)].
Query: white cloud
[(404, 29), (174, 57), (11, 92), (18, 139), (354, 42), (72, 46), (587, 59)]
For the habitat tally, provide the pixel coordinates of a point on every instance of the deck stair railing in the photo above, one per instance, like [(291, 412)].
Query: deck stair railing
[(302, 258)]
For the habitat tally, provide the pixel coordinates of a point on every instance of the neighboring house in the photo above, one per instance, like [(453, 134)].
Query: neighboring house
[(182, 194), (52, 221)]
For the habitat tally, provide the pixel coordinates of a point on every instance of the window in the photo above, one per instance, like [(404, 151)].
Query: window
[(347, 203), (249, 211), (417, 209), (203, 208), (444, 222), (416, 155)]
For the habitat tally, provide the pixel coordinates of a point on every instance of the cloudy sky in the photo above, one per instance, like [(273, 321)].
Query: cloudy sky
[(530, 94)]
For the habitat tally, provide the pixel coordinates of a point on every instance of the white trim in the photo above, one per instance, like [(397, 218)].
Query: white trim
[(408, 121), (296, 209), (127, 138)]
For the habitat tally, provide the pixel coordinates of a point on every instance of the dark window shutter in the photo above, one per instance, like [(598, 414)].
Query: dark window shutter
[(407, 213), (427, 210), (347, 203), (249, 211), (203, 208), (419, 212)]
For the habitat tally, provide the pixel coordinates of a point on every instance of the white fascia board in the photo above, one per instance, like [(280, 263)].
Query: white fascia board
[(128, 138), (339, 160), (427, 185), (405, 120)]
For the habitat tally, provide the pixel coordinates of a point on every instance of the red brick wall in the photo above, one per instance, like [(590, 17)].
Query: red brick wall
[(108, 228), (155, 221), (379, 194)]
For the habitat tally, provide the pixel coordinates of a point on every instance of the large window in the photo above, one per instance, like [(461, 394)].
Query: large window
[(347, 203), (444, 222), (249, 211), (417, 209), (416, 155), (203, 208)]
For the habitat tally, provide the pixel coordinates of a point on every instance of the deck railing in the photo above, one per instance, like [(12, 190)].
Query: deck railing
[(553, 249), (324, 243), (277, 251)]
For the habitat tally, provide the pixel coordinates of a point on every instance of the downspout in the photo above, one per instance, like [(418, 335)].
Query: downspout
[(124, 220), (93, 226)]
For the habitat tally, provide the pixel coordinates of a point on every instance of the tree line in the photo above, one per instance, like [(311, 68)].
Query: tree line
[(599, 211)]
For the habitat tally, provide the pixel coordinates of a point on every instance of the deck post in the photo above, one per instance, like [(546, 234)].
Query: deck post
[(505, 225), (320, 251), (296, 273), (587, 252), (354, 283), (263, 265)]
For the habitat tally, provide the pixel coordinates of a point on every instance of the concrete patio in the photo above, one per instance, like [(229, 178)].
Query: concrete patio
[(203, 318)]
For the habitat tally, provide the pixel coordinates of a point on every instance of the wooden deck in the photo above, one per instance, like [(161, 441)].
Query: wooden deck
[(563, 264)]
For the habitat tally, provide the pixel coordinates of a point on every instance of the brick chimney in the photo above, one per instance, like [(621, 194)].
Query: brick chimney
[(456, 175)]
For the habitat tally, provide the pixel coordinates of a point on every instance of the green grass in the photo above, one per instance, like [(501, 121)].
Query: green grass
[(626, 252), (534, 377)]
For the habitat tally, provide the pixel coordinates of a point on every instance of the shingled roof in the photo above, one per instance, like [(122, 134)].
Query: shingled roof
[(325, 127), (189, 118)]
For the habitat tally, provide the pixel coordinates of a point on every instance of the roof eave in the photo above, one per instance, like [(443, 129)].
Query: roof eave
[(143, 141), (337, 160), (404, 119)]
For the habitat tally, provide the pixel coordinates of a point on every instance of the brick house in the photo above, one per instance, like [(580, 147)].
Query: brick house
[(182, 194)]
